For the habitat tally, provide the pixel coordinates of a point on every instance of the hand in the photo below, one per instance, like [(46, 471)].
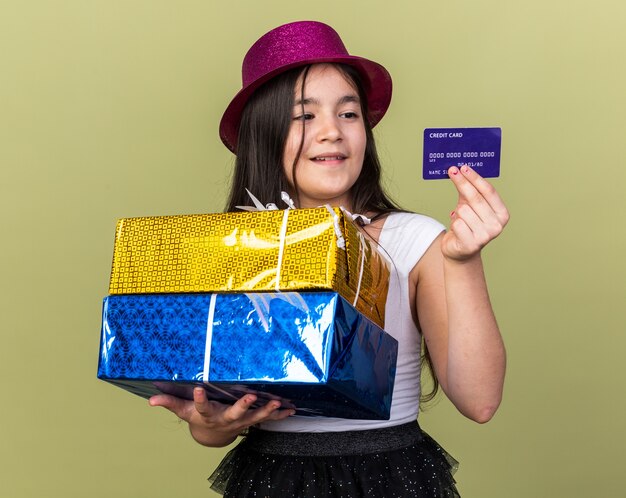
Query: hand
[(479, 216), (215, 424)]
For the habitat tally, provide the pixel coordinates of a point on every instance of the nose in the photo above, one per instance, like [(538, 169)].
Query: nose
[(329, 129)]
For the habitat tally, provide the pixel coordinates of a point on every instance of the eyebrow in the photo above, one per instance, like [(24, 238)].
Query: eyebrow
[(346, 99)]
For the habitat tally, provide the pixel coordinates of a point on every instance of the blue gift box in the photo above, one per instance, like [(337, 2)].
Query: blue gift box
[(311, 350)]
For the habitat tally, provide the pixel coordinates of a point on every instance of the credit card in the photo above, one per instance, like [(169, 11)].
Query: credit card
[(479, 148)]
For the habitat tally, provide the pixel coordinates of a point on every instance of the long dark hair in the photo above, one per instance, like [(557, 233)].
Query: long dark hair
[(263, 132)]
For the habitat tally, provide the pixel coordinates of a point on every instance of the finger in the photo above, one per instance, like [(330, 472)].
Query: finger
[(266, 412), (201, 403), (465, 242), (240, 408), (474, 222), (463, 186), (488, 192), (468, 193), (282, 414), (178, 406)]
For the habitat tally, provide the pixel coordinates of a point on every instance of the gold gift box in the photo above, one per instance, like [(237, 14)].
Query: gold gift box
[(295, 249)]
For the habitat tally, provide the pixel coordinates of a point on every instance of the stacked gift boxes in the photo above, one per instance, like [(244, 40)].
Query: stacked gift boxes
[(286, 304)]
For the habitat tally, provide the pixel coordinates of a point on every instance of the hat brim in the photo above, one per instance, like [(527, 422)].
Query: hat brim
[(376, 80)]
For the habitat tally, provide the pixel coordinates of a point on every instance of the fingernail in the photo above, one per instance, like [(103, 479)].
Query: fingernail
[(292, 412), (455, 171), (465, 169)]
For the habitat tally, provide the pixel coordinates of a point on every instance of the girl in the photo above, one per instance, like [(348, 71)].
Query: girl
[(303, 123)]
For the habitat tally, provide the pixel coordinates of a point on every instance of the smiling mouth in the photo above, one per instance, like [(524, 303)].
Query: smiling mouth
[(328, 158)]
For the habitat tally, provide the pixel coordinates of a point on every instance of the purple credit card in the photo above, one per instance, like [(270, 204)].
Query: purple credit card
[(479, 148)]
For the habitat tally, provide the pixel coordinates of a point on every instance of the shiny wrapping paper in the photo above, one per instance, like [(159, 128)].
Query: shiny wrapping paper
[(311, 350), (250, 251)]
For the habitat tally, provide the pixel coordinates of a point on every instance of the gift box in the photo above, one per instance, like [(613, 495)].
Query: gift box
[(294, 249), (313, 351)]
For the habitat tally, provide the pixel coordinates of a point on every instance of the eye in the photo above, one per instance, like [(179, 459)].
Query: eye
[(303, 117), (349, 115)]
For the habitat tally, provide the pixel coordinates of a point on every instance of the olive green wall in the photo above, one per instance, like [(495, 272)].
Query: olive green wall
[(110, 109)]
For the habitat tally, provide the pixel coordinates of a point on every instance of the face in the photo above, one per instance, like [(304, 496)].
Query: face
[(334, 138)]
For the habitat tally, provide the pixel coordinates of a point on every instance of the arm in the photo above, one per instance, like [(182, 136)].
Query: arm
[(216, 424), (453, 304)]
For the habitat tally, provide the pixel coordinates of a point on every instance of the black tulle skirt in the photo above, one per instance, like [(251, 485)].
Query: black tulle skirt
[(400, 461)]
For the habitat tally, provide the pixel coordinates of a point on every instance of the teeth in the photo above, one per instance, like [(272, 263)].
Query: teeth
[(333, 158)]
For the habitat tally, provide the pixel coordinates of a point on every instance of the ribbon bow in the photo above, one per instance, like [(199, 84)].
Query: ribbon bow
[(270, 206)]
